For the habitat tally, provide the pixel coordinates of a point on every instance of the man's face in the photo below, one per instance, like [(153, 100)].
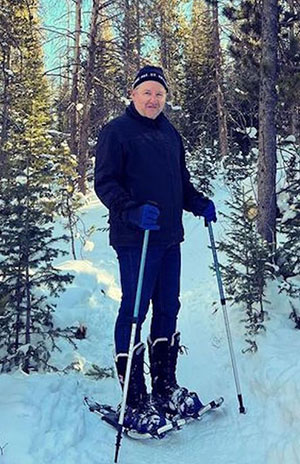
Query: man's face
[(149, 98)]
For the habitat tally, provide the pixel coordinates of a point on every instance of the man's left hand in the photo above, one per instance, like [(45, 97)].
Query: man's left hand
[(209, 212), (206, 208)]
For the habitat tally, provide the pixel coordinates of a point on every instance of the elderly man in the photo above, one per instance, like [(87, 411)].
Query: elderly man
[(141, 177)]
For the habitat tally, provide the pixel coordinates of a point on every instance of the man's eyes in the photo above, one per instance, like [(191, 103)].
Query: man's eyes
[(158, 94)]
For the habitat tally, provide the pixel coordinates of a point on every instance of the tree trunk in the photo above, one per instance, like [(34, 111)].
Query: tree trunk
[(138, 35), (295, 122), (222, 116), (294, 112), (68, 69), (74, 120), (18, 297), (26, 253), (83, 150), (267, 129), (5, 111), (127, 45), (163, 40)]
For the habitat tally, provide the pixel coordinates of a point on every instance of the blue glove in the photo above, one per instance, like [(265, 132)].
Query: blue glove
[(202, 206), (209, 212), (144, 217)]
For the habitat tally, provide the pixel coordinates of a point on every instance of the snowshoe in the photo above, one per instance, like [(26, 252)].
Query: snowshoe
[(141, 414), (171, 399)]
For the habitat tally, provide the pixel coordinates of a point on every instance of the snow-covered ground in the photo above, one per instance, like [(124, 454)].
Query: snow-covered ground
[(42, 416)]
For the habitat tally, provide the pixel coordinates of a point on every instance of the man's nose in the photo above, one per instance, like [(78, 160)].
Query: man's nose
[(153, 99)]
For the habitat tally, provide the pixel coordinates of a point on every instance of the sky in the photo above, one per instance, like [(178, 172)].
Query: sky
[(53, 14)]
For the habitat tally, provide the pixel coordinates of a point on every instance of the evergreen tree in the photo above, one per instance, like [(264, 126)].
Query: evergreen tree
[(247, 267), (288, 252), (29, 277), (243, 80), (109, 95), (199, 119), (167, 30), (244, 47), (200, 88), (289, 72), (27, 205)]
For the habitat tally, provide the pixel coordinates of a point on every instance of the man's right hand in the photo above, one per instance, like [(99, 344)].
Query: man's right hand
[(144, 217)]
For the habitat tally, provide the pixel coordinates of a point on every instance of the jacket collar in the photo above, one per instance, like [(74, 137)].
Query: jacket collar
[(133, 113)]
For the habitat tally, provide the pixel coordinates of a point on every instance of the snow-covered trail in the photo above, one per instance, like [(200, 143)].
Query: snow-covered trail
[(43, 419)]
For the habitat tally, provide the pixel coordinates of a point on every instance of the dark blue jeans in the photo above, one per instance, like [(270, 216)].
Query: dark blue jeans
[(161, 285)]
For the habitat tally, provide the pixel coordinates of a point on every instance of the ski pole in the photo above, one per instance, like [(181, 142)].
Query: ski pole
[(131, 344), (226, 320)]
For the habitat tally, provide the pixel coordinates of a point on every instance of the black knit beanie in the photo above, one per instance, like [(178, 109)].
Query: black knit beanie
[(150, 73)]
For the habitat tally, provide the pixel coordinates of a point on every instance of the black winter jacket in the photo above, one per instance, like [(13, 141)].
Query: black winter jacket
[(138, 160)]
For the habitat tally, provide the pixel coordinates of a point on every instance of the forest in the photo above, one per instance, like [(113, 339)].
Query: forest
[(67, 67)]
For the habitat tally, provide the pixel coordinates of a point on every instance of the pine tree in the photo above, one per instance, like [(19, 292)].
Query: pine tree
[(289, 72), (74, 97), (199, 122), (245, 48), (27, 204), (129, 32), (288, 252), (200, 88), (8, 40), (167, 29), (247, 267), (109, 96)]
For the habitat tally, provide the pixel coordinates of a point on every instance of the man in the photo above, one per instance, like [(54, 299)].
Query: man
[(141, 176)]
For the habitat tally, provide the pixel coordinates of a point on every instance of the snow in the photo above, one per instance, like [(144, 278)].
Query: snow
[(290, 139), (291, 213), (21, 179), (43, 419), (252, 132), (174, 107), (89, 245), (239, 91), (11, 74)]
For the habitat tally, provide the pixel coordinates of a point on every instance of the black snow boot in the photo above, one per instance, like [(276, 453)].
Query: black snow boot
[(169, 397), (140, 413)]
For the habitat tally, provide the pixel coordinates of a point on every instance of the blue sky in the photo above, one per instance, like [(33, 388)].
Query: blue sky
[(53, 14)]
